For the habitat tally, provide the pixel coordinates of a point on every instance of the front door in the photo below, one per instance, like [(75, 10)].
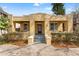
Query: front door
[(39, 28), (39, 32)]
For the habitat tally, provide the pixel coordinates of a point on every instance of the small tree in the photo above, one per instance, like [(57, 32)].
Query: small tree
[(58, 8), (76, 19), (4, 21)]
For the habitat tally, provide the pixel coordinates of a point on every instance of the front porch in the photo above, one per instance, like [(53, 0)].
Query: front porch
[(39, 31)]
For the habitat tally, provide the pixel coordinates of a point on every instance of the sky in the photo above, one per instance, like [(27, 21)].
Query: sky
[(19, 9)]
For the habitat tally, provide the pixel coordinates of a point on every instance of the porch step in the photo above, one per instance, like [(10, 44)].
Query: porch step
[(39, 38)]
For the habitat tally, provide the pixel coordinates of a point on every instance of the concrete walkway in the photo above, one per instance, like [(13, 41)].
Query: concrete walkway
[(37, 50)]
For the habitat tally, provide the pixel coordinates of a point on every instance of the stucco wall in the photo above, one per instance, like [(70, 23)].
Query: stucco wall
[(68, 19)]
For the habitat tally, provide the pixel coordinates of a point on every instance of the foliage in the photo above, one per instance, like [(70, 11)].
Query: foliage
[(16, 36), (58, 8), (76, 19), (2, 40), (77, 10), (4, 23), (65, 37)]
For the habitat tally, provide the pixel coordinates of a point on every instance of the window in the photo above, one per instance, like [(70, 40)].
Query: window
[(26, 27), (63, 27), (17, 27), (53, 26)]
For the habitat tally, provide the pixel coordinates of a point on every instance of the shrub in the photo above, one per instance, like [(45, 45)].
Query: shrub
[(16, 36), (3, 40), (66, 37)]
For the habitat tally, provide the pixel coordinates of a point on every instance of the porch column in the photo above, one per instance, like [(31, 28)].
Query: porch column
[(47, 32), (47, 28), (32, 32), (60, 27), (13, 27), (32, 27), (70, 23), (21, 27)]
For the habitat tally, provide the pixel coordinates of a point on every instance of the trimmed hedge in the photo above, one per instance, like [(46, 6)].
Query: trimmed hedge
[(65, 37), (16, 36)]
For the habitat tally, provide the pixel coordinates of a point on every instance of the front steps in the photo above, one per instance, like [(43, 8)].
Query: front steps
[(39, 38)]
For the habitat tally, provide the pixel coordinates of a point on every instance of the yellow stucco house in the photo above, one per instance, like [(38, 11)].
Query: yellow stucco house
[(39, 26)]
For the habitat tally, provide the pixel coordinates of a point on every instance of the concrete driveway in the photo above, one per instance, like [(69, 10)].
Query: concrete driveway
[(36, 50)]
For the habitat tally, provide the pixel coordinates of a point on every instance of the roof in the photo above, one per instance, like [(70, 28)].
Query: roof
[(2, 11)]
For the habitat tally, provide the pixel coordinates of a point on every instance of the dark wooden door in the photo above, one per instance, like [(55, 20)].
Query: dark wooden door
[(39, 28)]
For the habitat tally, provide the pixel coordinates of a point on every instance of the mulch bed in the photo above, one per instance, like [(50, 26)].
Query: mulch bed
[(18, 42), (64, 45)]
